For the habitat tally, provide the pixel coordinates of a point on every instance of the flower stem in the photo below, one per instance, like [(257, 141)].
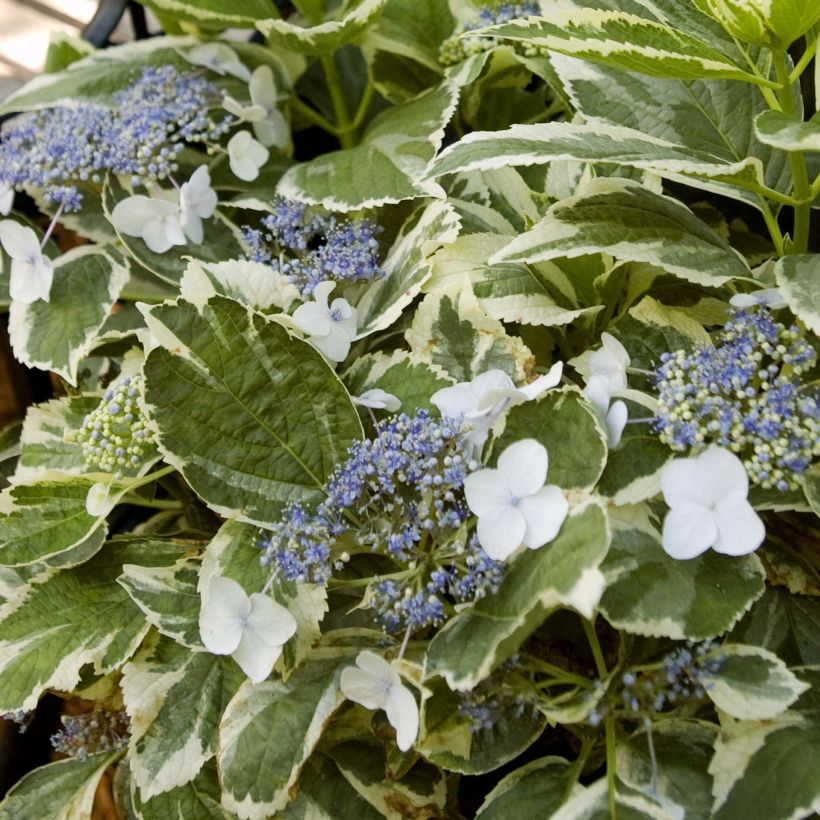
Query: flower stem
[(52, 225), (334, 85)]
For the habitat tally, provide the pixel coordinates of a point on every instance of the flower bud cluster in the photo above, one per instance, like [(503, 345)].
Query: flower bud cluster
[(455, 48), (491, 700), (92, 733), (401, 496), (115, 437), (744, 393), (139, 134), (310, 248)]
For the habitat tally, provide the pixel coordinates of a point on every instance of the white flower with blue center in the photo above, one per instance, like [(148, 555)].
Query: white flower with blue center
[(158, 222), (197, 201), (707, 496), (375, 684), (612, 415), (269, 125), (219, 58), (378, 399), (330, 328), (768, 297), (513, 505), (246, 156), (252, 629), (31, 273)]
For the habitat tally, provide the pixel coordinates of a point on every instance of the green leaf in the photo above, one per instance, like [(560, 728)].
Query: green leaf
[(168, 598), (790, 19), (60, 791), (797, 277), (632, 223), (752, 683), (63, 50), (325, 38), (64, 620), (214, 15), (407, 267), (276, 421), (592, 803), (627, 42), (233, 553), (485, 750), (404, 376), (175, 699), (788, 133), (388, 164), (650, 593), (43, 445), (223, 243), (44, 519), (55, 335), (533, 792), (268, 732), (451, 331), (566, 424), (197, 799), (473, 643)]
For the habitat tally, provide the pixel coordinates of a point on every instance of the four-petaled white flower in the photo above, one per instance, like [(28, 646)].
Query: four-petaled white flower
[(613, 416), (269, 125), (252, 629), (218, 58), (330, 328), (158, 222), (610, 362), (31, 273), (480, 402), (768, 297), (377, 399), (6, 198), (513, 506), (197, 201), (246, 156), (707, 496), (376, 685)]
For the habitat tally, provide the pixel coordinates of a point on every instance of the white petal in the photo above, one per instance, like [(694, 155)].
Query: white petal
[(362, 688), (30, 281), (740, 530), (725, 471), (224, 610), (271, 621), (377, 399), (454, 402), (598, 393), (173, 229), (768, 296), (132, 214), (543, 383), (524, 467), (704, 480), (192, 227), (403, 714), (616, 420), (377, 667), (6, 199), (544, 513), (688, 531), (256, 658), (501, 532), (273, 130), (322, 291), (615, 349), (244, 168), (313, 319), (98, 502), (486, 490), (335, 344), (19, 241), (234, 107), (262, 88)]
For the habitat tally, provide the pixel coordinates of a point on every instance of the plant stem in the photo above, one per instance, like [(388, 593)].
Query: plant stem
[(151, 477), (337, 97), (595, 646), (797, 159), (364, 105), (774, 229), (156, 504), (314, 116)]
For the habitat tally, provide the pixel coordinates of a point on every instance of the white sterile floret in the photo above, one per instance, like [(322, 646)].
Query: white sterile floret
[(98, 502), (376, 685), (377, 399), (513, 506), (218, 58), (197, 201), (613, 416), (6, 198), (330, 328), (158, 222), (707, 496), (480, 402), (610, 362), (246, 156), (31, 273), (769, 297), (252, 629), (272, 127)]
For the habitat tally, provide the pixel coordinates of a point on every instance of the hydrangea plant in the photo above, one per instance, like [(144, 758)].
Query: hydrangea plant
[(435, 423)]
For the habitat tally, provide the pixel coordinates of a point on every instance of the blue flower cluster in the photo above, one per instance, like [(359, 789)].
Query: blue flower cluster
[(399, 495), (744, 393), (92, 733), (139, 134), (493, 699), (310, 248), (453, 50), (115, 437)]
